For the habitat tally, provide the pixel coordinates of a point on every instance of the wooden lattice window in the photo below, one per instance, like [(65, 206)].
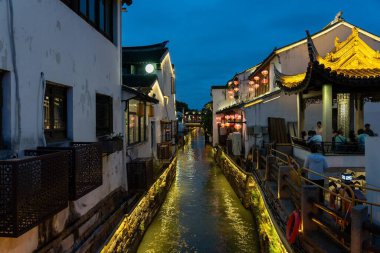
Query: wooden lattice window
[(55, 112)]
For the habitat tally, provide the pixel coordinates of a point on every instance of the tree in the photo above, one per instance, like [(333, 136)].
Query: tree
[(181, 106)]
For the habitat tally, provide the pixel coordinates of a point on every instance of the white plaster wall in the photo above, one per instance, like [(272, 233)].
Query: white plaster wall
[(51, 38), (164, 80), (219, 101), (349, 161), (372, 160), (372, 116)]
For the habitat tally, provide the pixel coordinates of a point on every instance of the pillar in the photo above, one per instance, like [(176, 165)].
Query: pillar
[(343, 101), (359, 215), (359, 112), (327, 112), (300, 115)]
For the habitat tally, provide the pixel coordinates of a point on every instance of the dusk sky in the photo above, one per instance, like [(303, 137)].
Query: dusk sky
[(211, 40)]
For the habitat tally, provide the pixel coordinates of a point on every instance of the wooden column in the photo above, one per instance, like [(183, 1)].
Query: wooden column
[(327, 112), (300, 115), (359, 113)]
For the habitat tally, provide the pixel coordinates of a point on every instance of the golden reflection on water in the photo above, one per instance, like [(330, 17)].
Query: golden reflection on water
[(201, 212)]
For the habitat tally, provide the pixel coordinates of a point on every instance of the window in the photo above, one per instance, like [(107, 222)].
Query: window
[(55, 112), (99, 13), (104, 119), (166, 131), (135, 121)]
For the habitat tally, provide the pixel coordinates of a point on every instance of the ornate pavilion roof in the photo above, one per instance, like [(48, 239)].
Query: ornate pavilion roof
[(352, 65)]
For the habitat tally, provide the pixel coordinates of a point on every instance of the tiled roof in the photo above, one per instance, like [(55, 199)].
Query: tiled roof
[(142, 83), (145, 54)]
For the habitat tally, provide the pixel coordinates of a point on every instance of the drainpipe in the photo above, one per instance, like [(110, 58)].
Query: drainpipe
[(15, 146)]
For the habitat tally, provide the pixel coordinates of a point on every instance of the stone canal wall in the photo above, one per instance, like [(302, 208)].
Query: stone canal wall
[(130, 231), (248, 190)]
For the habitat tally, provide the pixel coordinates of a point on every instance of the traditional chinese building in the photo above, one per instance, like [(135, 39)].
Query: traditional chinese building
[(291, 80), (151, 128)]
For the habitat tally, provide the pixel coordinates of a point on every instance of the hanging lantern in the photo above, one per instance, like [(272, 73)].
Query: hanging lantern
[(236, 89), (140, 109), (238, 117), (265, 74), (227, 124), (256, 78), (232, 117), (222, 125), (227, 117), (218, 119), (231, 96), (251, 82), (237, 126), (256, 86), (250, 89), (150, 110), (230, 91)]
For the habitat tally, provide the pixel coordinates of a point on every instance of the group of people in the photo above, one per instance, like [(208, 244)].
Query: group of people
[(339, 140), (316, 162)]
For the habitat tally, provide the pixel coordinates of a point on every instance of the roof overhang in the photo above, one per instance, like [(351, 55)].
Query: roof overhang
[(139, 95)]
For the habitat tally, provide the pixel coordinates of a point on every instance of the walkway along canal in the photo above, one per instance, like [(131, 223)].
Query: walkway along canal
[(202, 212)]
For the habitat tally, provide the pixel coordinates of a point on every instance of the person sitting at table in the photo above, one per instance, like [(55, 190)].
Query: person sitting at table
[(361, 139), (338, 140), (314, 138), (317, 163)]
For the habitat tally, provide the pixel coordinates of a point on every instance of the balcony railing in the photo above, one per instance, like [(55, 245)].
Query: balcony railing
[(86, 170), (331, 148), (31, 190)]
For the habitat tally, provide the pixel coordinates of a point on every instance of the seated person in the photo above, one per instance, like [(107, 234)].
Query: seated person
[(314, 138), (338, 140), (361, 139)]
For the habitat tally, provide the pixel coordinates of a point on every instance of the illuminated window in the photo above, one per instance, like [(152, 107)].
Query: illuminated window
[(104, 119), (135, 121), (55, 113)]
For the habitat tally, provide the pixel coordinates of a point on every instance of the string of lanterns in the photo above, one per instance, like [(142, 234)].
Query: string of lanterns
[(229, 120), (233, 86)]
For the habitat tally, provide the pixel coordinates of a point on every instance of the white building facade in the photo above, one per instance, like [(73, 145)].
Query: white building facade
[(61, 83)]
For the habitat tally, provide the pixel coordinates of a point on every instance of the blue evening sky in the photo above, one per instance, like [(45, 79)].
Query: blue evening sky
[(211, 40)]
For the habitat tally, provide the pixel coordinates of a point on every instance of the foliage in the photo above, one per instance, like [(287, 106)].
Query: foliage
[(181, 106)]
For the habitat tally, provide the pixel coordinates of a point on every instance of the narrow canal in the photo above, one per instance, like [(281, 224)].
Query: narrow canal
[(202, 212)]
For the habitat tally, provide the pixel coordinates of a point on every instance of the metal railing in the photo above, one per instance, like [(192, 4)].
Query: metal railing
[(86, 169), (31, 190), (331, 148)]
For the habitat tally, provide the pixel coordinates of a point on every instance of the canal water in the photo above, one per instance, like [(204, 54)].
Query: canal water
[(201, 213)]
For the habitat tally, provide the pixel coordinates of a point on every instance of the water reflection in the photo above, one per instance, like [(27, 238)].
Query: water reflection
[(201, 212)]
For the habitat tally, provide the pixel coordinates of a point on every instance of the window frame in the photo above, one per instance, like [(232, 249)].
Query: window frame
[(53, 91), (104, 100), (111, 35), (141, 126)]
